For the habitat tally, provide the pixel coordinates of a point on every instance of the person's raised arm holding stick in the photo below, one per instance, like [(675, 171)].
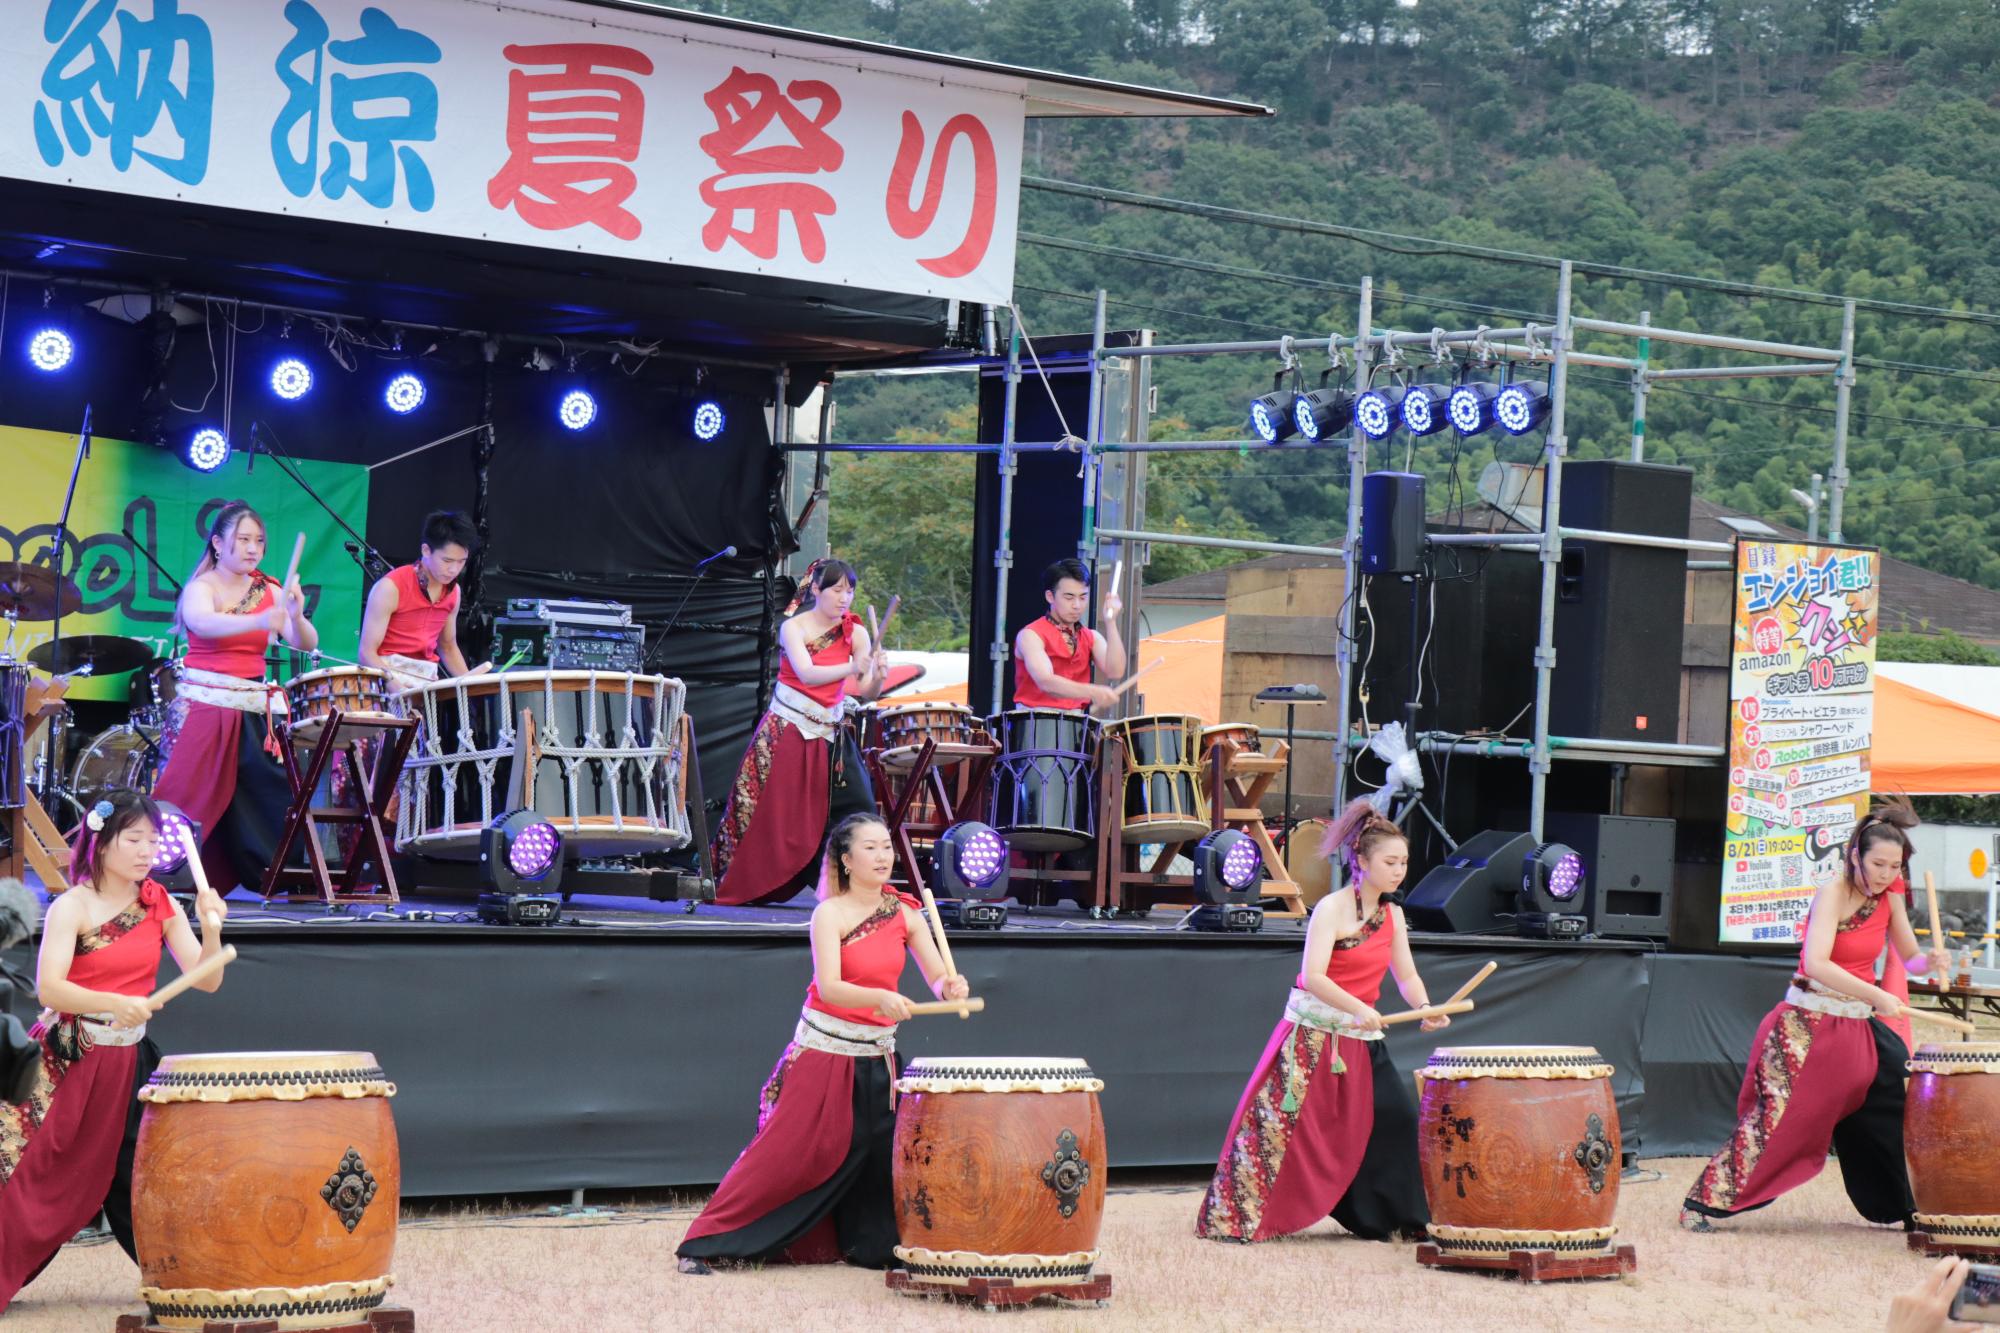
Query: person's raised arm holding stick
[(1055, 654)]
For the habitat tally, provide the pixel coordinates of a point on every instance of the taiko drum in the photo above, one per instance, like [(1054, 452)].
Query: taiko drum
[(266, 1187), (1949, 1122), (999, 1170), (1519, 1146)]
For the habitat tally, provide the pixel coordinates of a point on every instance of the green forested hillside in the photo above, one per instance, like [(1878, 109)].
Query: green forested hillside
[(1835, 146)]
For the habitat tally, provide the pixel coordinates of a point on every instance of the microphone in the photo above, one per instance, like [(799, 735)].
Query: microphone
[(723, 554), (700, 571)]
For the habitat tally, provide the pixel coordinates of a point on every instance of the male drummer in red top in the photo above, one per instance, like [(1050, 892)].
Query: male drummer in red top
[(412, 617), (1053, 654)]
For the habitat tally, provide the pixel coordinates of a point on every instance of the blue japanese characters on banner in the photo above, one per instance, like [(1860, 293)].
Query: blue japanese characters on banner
[(649, 137)]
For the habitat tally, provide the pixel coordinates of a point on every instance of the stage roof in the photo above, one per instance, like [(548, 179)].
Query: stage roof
[(1048, 93)]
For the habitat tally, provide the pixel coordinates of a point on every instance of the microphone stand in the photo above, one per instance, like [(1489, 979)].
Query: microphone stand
[(700, 571), (174, 640), (370, 559), (62, 534)]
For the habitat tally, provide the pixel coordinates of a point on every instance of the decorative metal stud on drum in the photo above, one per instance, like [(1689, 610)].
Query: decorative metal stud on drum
[(1520, 1160), (266, 1187), (602, 756), (1949, 1122), (999, 1169)]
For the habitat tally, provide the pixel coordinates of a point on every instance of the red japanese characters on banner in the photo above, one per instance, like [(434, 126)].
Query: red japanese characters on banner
[(910, 223), (744, 106), (569, 127)]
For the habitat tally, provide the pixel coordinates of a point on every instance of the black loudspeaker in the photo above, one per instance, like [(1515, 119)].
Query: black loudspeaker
[(1475, 890), (1628, 867), (1478, 616), (1619, 609), (1392, 523)]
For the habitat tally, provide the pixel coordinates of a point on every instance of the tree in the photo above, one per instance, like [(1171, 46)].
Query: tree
[(1943, 646)]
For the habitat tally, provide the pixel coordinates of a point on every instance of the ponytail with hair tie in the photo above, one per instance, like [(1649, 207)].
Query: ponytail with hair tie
[(805, 588)]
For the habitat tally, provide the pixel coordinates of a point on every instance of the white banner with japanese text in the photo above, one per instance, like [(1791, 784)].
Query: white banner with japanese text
[(1801, 713), (547, 123)]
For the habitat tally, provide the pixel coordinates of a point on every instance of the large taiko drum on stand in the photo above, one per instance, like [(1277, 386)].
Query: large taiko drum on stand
[(1044, 784), (602, 755), (266, 1186), (1519, 1146), (999, 1169), (1949, 1123), (1163, 783)]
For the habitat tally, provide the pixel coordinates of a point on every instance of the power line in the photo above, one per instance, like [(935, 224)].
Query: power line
[(1431, 247)]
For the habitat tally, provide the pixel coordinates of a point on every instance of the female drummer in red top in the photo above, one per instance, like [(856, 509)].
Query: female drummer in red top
[(1053, 655), (802, 771), (1826, 1069), (814, 1186), (1327, 1125), (224, 770), (100, 957)]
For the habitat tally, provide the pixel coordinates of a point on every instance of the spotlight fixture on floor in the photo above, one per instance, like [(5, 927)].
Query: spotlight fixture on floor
[(969, 872), (522, 855), (1228, 871), (170, 859), (1551, 891)]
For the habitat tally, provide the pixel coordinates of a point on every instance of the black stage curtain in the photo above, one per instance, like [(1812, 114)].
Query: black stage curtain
[(598, 1059)]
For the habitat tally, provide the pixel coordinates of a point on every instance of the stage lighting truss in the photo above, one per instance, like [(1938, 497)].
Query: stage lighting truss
[(291, 379), (577, 409), (405, 394), (1422, 408), (1520, 408), (206, 450), (50, 350), (708, 420)]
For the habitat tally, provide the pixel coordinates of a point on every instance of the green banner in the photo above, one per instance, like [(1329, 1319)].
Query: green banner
[(134, 498)]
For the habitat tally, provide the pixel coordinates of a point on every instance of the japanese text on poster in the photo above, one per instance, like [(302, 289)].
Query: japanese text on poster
[(1801, 708)]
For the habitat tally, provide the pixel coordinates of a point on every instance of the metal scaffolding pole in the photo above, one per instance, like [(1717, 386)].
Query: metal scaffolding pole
[(1843, 392), (1796, 350), (1639, 392), (1545, 643), (1219, 543), (1003, 553), (1343, 650), (1745, 372), (1093, 434)]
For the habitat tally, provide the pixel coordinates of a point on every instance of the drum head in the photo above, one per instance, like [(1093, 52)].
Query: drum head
[(123, 757), (998, 1074), (1456, 1062), (266, 1076), (1957, 1057), (1312, 872)]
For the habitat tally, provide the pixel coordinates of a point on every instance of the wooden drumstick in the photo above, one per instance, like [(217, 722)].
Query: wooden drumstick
[(1477, 977), (1428, 1011), (1133, 679), (1117, 574), (970, 1005), (194, 976), (196, 868), (895, 601), (943, 944), (1940, 951), (1941, 1020), (298, 554)]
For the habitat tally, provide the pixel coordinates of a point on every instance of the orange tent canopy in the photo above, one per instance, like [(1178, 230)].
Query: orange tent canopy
[(1926, 745), (1188, 679)]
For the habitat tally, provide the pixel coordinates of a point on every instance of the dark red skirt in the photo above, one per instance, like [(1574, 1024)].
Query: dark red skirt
[(222, 776), (1327, 1127), (1815, 1082), (814, 1185), (788, 793), (60, 1149)]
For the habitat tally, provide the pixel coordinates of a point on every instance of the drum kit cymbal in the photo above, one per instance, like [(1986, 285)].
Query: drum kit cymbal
[(37, 760)]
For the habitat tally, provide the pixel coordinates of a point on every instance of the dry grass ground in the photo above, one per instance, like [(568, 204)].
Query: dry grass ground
[(1805, 1263)]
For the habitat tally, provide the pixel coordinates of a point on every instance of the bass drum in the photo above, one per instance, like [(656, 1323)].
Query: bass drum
[(125, 758), (1309, 869)]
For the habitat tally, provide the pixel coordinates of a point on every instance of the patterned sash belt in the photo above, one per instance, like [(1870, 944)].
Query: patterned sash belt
[(819, 1031), (225, 691), (1308, 1010), (1822, 1001), (84, 1032), (814, 720), (409, 673)]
